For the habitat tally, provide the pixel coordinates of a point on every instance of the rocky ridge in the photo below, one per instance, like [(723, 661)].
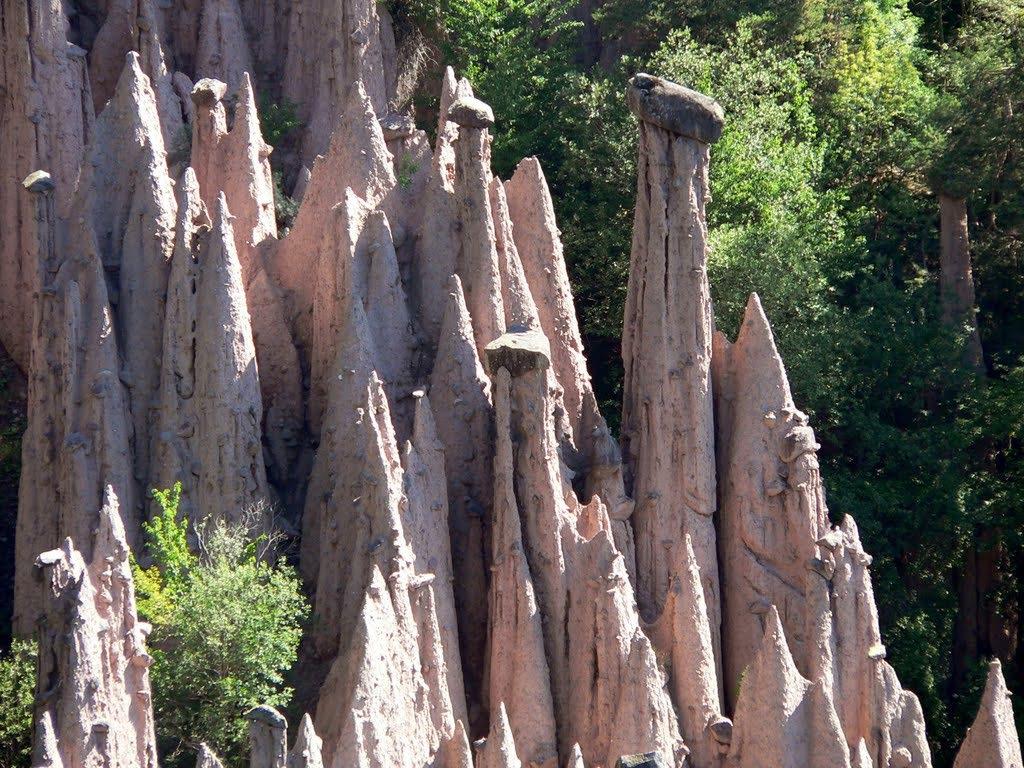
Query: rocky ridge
[(403, 375)]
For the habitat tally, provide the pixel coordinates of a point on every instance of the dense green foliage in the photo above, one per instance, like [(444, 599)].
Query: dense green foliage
[(845, 119), (17, 692), (226, 629)]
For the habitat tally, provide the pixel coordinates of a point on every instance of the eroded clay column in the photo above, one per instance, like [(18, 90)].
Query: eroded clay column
[(478, 259), (667, 422), (992, 740)]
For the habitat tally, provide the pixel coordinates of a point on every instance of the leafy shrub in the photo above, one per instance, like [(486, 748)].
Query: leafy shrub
[(226, 628), (278, 120), (407, 169), (17, 686)]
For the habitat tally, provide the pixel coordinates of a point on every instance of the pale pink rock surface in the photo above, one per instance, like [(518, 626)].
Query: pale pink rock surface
[(478, 256), (437, 243), (355, 363), (460, 394), (362, 532), (134, 26), (855, 628), (517, 666), (539, 246), (385, 700), (307, 750), (45, 118), (683, 635), (361, 268), (992, 740), (77, 442), (331, 47), (626, 709), (425, 520), (223, 52), (358, 508), (898, 737), (667, 415), (455, 752), (127, 197), (93, 663), (387, 311), (499, 749), (783, 720), (174, 439), (236, 163), (308, 263), (773, 509), (266, 23), (377, 689), (546, 518), (413, 165), (608, 691), (229, 408), (520, 309), (335, 295)]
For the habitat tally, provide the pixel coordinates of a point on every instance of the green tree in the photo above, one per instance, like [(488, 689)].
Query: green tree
[(226, 627), (17, 692)]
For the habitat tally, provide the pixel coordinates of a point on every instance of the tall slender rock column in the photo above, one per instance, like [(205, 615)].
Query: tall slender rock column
[(93, 703), (127, 198), (77, 440), (46, 117), (518, 676), (478, 260), (236, 162), (667, 421)]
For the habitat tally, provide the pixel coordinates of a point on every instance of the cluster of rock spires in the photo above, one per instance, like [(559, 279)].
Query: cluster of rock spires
[(403, 372)]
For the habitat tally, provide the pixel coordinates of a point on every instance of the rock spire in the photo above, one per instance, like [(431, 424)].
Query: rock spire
[(94, 705), (667, 416), (992, 740)]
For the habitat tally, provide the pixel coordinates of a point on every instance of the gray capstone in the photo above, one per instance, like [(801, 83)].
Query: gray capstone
[(395, 126), (470, 112), (644, 760), (38, 181), (518, 352), (675, 108), (208, 92)]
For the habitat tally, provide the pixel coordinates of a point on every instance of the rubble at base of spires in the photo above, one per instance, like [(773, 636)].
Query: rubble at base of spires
[(407, 367)]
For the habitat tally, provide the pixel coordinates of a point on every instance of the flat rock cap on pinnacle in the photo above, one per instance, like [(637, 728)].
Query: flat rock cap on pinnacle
[(470, 112), (267, 714), (208, 92), (518, 352), (675, 108), (395, 126), (38, 181)]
